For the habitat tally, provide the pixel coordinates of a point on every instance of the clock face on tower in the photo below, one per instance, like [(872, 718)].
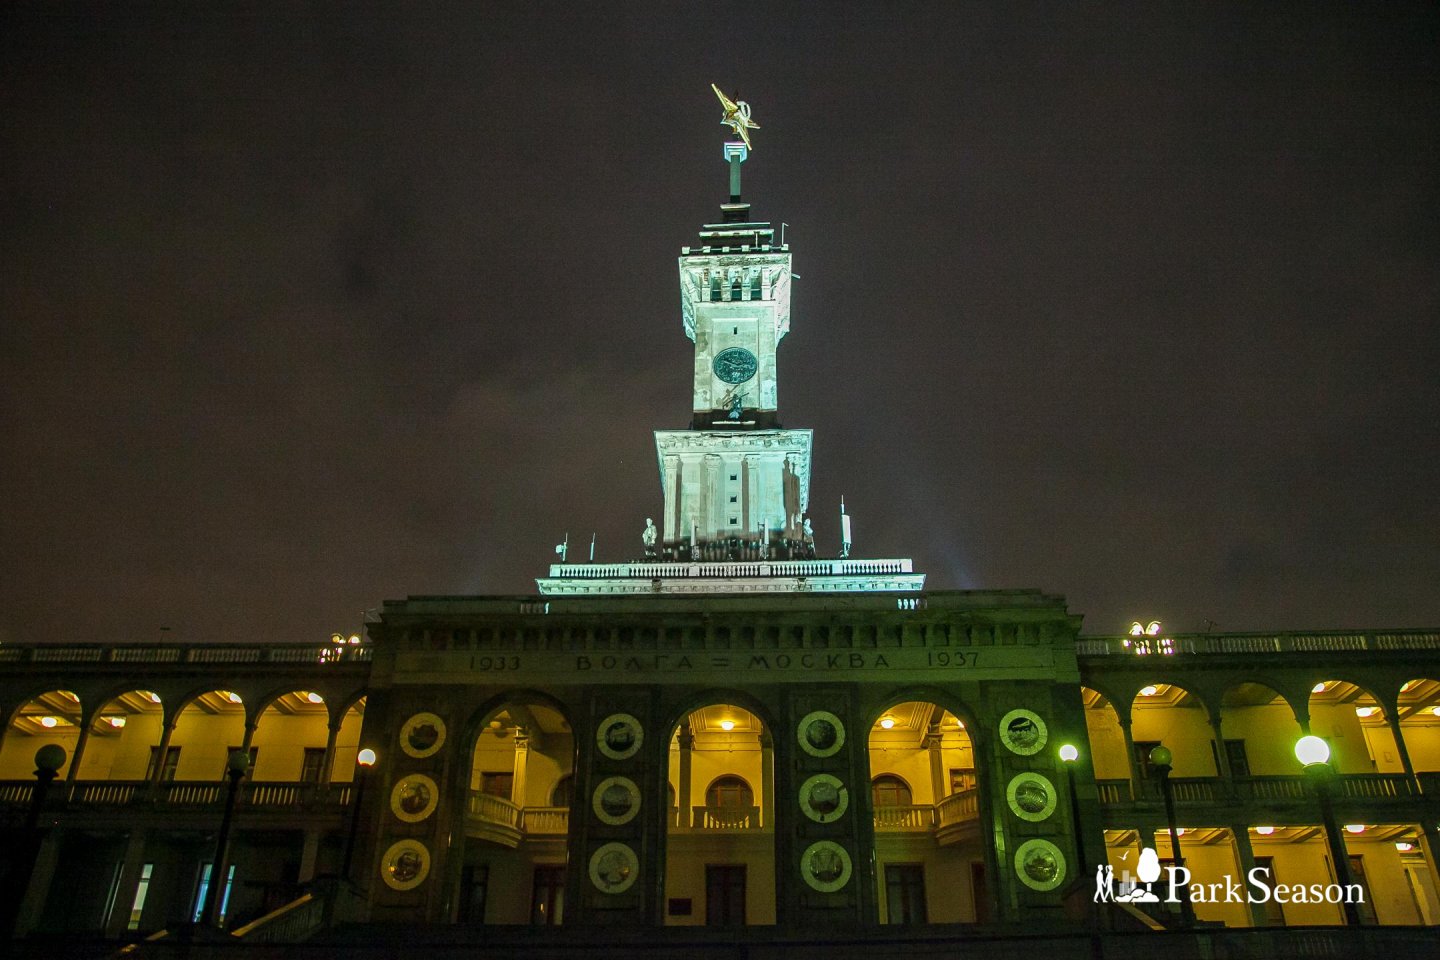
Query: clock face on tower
[(735, 365)]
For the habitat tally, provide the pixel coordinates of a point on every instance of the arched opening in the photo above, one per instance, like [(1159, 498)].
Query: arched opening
[(52, 717), (1258, 729), (929, 854), (290, 740), (1107, 746), (720, 838), (517, 819), (124, 734), (1419, 713), (1165, 713), (1354, 724), (347, 743), (207, 729)]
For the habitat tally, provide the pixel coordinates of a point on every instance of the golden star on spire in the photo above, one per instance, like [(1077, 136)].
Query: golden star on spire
[(737, 116)]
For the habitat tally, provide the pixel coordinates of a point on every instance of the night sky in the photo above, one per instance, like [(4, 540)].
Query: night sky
[(300, 312)]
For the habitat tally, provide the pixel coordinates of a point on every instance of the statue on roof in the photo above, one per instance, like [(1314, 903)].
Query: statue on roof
[(737, 116)]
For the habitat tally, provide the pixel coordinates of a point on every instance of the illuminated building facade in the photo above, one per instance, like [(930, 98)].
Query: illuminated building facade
[(727, 731)]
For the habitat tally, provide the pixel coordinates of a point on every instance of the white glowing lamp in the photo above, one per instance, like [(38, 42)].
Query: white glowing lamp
[(887, 722), (1366, 711), (1149, 690), (314, 697), (1404, 846), (1318, 688), (1311, 750), (49, 722), (727, 725), (116, 722), (1068, 753), (1264, 831), (232, 696), (1354, 828), (366, 757)]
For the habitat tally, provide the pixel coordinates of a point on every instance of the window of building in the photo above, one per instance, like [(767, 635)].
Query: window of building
[(498, 783), (730, 793), (311, 764), (735, 499), (962, 779), (202, 888), (724, 895), (172, 763), (1239, 760), (904, 893), (734, 521), (474, 887), (547, 899), (888, 790), (137, 908)]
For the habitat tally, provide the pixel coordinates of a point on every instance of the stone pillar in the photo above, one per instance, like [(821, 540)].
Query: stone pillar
[(79, 752), (767, 780), (309, 852), (166, 732), (1130, 759), (671, 520), (751, 514), (682, 791), (327, 766), (1245, 861), (939, 778), (32, 905), (132, 865), (1430, 847), (713, 498), (522, 763), (250, 726), (1392, 717), (1222, 759)]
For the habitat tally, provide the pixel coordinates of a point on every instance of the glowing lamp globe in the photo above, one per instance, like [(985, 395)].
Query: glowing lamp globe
[(1311, 750), (1161, 756), (366, 757), (239, 761), (1068, 753), (50, 757)]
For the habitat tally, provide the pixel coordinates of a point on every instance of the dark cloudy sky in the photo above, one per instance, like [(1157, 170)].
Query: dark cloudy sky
[(300, 311)]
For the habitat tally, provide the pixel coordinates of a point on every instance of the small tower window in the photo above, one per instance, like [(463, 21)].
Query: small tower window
[(735, 289), (755, 287), (715, 287)]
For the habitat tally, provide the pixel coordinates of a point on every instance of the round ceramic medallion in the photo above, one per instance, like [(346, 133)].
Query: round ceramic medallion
[(735, 365), (613, 868), (1031, 797), (821, 734), (422, 735), (1023, 732), (825, 866), (616, 800), (823, 798), (1040, 865), (619, 736), (405, 865), (414, 798)]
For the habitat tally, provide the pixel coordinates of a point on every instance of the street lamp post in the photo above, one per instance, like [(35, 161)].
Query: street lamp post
[(1069, 754), (364, 760), (1314, 753), (235, 768), (48, 761), (1160, 759)]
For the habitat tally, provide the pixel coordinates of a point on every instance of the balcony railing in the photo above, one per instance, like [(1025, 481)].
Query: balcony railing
[(1374, 787), (517, 820), (85, 794), (725, 818), (130, 654), (1258, 643), (903, 817)]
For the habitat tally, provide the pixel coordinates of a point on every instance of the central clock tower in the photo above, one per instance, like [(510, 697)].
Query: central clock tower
[(736, 483)]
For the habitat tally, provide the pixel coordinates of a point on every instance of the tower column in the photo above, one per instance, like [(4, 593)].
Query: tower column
[(750, 514), (712, 504), (682, 789), (671, 521)]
